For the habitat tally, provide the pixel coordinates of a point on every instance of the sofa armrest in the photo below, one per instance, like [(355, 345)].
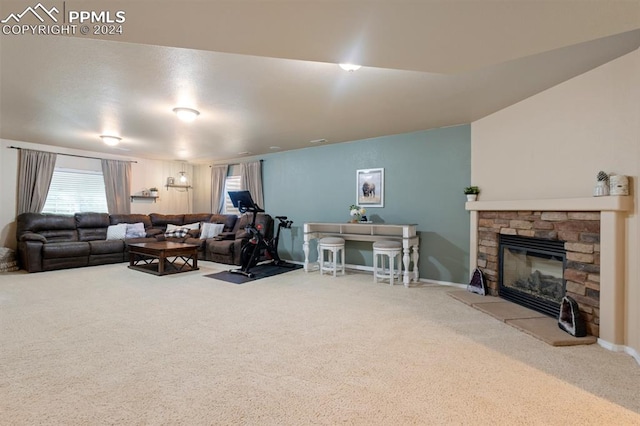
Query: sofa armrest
[(153, 232), (32, 236), (225, 236), (30, 255)]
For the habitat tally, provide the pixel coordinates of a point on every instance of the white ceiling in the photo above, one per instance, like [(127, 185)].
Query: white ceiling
[(263, 73)]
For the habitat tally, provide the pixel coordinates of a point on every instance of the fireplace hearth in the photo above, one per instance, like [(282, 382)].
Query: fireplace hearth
[(531, 272)]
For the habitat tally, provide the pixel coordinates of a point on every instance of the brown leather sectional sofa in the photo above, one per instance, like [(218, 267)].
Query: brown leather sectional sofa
[(51, 241)]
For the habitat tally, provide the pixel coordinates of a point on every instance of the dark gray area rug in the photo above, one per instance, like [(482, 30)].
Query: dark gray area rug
[(260, 271)]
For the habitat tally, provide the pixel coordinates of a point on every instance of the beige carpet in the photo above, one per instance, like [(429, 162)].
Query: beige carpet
[(108, 345)]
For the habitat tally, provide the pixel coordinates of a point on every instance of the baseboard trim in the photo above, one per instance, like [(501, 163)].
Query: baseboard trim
[(620, 348)]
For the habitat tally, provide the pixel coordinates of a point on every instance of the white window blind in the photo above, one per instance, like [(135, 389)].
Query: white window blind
[(231, 183), (74, 191)]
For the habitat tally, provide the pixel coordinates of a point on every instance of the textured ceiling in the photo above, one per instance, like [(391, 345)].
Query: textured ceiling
[(264, 74)]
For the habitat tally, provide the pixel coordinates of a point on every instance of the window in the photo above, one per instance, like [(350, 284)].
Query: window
[(73, 191), (231, 183)]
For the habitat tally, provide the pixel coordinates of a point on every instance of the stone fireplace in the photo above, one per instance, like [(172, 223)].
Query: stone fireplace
[(575, 233), (584, 257)]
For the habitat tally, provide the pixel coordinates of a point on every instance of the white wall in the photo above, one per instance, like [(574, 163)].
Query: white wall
[(144, 174), (553, 144)]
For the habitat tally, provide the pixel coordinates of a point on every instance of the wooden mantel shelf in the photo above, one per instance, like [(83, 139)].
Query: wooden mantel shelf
[(607, 203)]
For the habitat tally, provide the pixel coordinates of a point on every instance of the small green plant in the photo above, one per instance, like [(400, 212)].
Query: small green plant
[(602, 176), (153, 189), (471, 190)]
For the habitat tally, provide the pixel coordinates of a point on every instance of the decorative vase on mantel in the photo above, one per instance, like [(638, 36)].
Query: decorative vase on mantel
[(602, 185), (472, 197)]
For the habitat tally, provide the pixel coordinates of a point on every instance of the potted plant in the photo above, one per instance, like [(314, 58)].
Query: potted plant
[(153, 191), (472, 192), (356, 213)]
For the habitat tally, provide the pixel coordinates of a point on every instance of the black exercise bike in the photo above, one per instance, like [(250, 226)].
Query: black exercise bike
[(258, 246)]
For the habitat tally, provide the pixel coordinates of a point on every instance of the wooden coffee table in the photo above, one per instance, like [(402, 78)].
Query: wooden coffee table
[(163, 257)]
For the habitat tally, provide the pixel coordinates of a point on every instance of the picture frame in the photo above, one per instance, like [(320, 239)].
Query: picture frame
[(370, 187)]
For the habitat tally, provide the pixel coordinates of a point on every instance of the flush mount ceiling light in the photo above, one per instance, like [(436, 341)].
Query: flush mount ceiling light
[(110, 140), (350, 67), (186, 114)]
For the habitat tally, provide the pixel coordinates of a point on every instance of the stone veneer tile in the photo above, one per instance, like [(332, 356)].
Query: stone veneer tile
[(539, 224), (592, 285), (553, 216), (579, 247), (520, 224), (580, 257), (589, 237), (574, 275), (579, 225), (584, 215), (546, 235), (569, 236)]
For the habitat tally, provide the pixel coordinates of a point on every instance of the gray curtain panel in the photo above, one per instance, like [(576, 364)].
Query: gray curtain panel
[(218, 177), (35, 171), (117, 184), (251, 177)]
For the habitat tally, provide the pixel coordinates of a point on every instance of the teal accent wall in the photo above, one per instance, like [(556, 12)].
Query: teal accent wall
[(425, 173)]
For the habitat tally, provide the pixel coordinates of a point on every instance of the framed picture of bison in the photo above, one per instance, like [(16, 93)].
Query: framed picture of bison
[(370, 188)]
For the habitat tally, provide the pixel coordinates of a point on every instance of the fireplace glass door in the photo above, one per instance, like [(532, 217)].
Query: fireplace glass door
[(531, 273)]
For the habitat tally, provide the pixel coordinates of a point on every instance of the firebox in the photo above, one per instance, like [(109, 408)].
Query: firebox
[(532, 272)]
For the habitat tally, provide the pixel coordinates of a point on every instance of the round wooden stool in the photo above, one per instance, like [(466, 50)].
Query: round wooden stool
[(392, 250), (332, 245)]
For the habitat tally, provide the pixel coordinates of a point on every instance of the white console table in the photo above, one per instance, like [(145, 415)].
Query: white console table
[(369, 232)]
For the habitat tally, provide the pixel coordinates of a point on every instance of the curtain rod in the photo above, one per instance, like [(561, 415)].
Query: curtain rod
[(234, 164), (70, 155)]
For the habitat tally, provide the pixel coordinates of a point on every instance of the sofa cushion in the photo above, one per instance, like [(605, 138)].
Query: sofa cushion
[(90, 234), (210, 230), (162, 220), (177, 233), (65, 249), (130, 218), (196, 217), (190, 226), (135, 230), (92, 220), (229, 220), (106, 247), (220, 247), (196, 242), (54, 227), (117, 232)]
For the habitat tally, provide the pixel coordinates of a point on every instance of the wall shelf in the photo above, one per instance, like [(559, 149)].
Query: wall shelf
[(187, 187), (143, 197)]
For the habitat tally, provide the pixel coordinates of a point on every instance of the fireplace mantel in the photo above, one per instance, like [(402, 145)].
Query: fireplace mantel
[(591, 204), (613, 211)]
